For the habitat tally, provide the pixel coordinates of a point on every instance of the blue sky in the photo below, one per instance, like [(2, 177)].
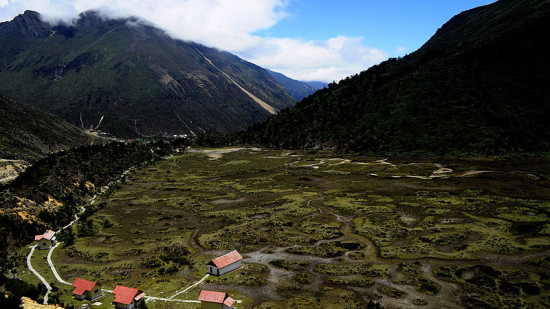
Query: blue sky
[(384, 24), (324, 40)]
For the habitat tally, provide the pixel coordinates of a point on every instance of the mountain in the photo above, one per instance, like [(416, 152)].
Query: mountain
[(479, 85), (131, 79), (297, 89), (317, 85), (29, 134)]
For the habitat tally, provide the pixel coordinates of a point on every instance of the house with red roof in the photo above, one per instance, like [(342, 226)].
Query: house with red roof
[(215, 300), (46, 240), (127, 298), (225, 263), (84, 289)]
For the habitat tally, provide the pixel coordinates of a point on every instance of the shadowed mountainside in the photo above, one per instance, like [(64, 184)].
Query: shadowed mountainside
[(479, 85), (139, 79), (29, 134)]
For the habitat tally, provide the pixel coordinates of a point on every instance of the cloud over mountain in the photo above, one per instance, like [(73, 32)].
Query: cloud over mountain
[(225, 24)]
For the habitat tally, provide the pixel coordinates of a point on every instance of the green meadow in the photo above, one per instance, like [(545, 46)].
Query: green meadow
[(321, 231)]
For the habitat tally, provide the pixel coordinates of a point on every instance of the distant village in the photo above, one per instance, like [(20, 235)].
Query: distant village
[(109, 136)]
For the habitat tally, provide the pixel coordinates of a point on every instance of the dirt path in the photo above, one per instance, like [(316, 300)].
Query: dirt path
[(49, 257), (52, 267), (190, 287), (29, 265), (194, 243), (154, 298)]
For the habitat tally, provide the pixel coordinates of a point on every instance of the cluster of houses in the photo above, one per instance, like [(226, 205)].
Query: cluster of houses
[(125, 297), (130, 298)]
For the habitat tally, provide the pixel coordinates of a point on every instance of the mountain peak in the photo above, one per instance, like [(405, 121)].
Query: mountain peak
[(29, 25), (31, 14), (91, 16)]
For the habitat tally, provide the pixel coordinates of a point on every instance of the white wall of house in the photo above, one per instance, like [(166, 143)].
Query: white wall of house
[(44, 244), (230, 267), (124, 306), (213, 270)]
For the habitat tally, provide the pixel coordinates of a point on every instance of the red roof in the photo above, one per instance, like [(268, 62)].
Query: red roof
[(229, 302), (47, 235), (124, 295), (81, 286), (212, 297), (227, 259)]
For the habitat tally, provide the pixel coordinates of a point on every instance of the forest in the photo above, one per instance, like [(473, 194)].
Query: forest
[(466, 91)]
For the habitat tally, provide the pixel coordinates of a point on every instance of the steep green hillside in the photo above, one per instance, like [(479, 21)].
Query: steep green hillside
[(139, 79), (29, 134), (479, 85)]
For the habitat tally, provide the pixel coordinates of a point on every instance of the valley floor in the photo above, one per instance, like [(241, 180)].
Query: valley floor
[(318, 231)]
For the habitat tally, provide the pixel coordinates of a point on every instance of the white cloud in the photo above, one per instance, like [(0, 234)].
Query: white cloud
[(317, 60), (227, 25), (401, 50)]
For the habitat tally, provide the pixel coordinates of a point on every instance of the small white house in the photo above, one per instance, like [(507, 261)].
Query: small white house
[(225, 263), (46, 240)]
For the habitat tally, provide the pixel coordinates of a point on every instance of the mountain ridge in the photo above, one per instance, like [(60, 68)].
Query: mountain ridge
[(297, 89), (140, 80)]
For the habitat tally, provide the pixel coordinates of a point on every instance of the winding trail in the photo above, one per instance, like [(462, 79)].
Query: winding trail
[(49, 258), (190, 287), (29, 265), (82, 209), (152, 298), (58, 277), (52, 267)]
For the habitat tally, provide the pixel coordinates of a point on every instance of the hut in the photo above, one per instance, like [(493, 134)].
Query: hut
[(84, 289), (46, 240), (127, 298), (225, 263), (215, 300)]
